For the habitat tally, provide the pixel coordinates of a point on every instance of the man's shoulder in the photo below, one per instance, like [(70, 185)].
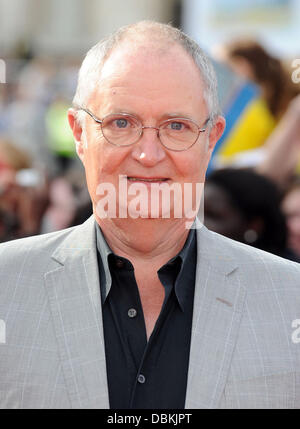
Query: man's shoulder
[(245, 257), (266, 285), (37, 245)]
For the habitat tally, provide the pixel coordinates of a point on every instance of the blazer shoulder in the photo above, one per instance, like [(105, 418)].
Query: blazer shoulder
[(36, 245), (247, 258)]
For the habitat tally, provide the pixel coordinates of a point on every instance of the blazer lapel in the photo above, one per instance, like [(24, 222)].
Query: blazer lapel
[(74, 296), (218, 306)]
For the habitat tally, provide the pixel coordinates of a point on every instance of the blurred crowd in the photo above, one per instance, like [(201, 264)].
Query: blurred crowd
[(42, 183)]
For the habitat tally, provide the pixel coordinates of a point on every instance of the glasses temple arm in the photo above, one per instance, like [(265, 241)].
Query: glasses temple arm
[(89, 113)]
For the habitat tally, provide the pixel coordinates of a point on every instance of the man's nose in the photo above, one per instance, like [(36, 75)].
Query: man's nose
[(149, 150)]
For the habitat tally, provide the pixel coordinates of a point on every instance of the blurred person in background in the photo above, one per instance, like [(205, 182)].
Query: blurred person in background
[(60, 139), (250, 60), (25, 109), (23, 201), (291, 208), (33, 106), (245, 206), (69, 202), (280, 156)]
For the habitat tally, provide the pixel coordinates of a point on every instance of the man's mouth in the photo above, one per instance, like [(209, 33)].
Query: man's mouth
[(147, 179)]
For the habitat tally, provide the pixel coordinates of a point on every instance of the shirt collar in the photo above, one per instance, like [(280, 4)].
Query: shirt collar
[(186, 258), (104, 251), (185, 279)]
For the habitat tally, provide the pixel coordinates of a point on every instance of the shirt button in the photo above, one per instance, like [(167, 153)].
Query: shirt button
[(132, 312), (141, 379), (119, 263)]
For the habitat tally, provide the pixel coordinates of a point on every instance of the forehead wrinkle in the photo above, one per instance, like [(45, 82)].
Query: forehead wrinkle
[(154, 103), (130, 91), (136, 85), (126, 84)]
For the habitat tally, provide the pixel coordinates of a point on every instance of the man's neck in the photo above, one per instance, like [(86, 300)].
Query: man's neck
[(145, 242)]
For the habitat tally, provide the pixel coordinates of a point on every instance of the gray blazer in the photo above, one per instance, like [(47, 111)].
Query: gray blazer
[(242, 350)]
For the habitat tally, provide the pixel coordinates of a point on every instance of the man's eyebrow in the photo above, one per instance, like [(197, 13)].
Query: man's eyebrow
[(120, 110), (165, 116), (176, 115)]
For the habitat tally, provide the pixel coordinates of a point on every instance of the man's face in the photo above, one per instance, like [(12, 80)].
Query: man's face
[(153, 86)]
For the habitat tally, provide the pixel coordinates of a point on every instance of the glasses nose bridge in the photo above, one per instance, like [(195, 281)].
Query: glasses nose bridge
[(154, 128)]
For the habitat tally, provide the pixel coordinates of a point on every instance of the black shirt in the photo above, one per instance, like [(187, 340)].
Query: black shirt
[(141, 373)]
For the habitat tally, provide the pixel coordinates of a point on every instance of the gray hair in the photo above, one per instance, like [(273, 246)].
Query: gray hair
[(98, 54)]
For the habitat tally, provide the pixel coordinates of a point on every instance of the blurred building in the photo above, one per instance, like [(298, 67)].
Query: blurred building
[(275, 23), (70, 26)]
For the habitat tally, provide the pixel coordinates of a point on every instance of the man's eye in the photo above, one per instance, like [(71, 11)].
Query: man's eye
[(177, 126), (121, 123)]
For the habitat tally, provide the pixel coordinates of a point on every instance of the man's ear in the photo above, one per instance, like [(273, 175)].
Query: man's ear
[(216, 132), (77, 132)]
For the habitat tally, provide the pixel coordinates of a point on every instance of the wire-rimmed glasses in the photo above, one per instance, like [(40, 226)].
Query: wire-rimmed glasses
[(124, 129)]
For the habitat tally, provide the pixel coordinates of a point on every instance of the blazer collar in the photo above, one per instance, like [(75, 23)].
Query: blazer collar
[(210, 249), (80, 241), (218, 306), (75, 302)]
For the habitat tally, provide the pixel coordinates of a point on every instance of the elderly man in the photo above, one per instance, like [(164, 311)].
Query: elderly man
[(135, 309)]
